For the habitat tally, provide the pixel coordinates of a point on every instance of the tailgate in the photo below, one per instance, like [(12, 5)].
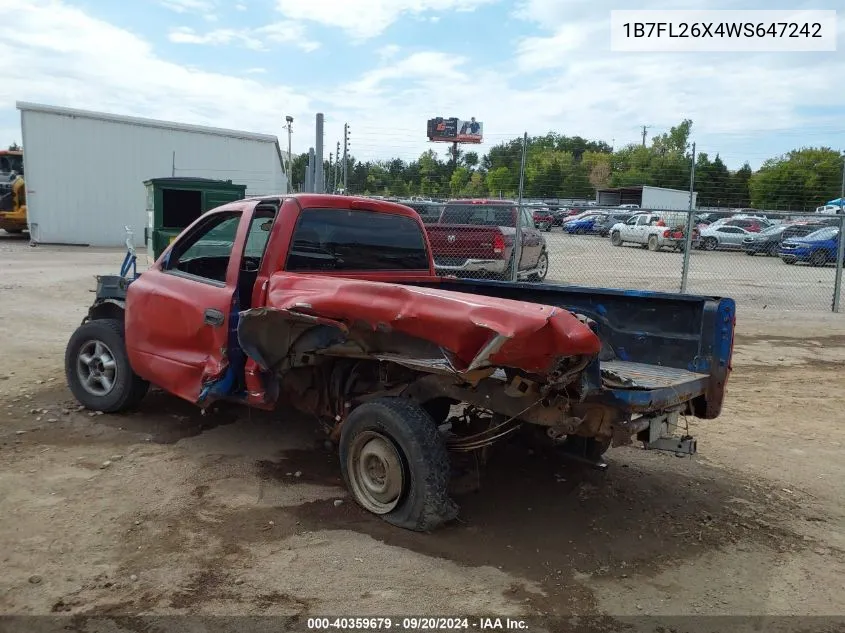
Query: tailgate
[(464, 241)]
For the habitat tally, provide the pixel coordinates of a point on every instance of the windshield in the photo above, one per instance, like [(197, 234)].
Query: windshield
[(772, 230), (823, 234)]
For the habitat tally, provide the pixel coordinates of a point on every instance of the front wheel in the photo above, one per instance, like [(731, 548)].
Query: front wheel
[(710, 244), (97, 368), (616, 238), (395, 464)]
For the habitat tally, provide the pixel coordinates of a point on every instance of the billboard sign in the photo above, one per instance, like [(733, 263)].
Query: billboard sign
[(455, 130)]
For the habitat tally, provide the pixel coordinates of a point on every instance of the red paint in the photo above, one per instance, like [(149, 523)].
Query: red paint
[(170, 345), (538, 335)]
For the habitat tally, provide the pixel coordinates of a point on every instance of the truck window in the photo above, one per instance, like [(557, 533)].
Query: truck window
[(259, 232), (481, 214), (341, 239), (205, 253)]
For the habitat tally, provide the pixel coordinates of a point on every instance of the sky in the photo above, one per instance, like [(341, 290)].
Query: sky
[(386, 66)]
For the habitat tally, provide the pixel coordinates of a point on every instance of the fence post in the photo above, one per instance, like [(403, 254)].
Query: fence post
[(840, 252), (690, 223), (517, 244)]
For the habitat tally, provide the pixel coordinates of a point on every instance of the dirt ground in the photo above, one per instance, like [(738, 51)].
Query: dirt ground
[(165, 511)]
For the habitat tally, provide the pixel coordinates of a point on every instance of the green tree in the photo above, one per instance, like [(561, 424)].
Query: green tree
[(800, 180), (459, 180), (500, 182), (14, 147)]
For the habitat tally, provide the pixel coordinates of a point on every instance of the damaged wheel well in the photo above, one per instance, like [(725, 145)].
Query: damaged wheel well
[(107, 309)]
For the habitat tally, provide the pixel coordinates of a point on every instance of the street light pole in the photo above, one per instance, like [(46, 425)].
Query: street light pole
[(288, 127)]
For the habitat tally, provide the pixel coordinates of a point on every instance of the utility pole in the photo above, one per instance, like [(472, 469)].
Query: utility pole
[(517, 247), (346, 159), (319, 167), (840, 252), (645, 128), (331, 166), (289, 121), (690, 222), (336, 168)]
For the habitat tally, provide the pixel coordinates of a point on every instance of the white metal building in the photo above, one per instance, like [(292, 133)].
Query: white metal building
[(85, 170)]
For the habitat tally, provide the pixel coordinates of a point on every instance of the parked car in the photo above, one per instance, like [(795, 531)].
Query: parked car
[(765, 242), (750, 224), (583, 225), (801, 228), (710, 217), (653, 231), (543, 218), (603, 224), (720, 237), (817, 248), (475, 238)]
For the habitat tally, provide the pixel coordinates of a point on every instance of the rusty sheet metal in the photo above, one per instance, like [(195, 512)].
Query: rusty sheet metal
[(477, 331)]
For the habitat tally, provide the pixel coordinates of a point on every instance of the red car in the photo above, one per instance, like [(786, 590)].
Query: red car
[(544, 219)]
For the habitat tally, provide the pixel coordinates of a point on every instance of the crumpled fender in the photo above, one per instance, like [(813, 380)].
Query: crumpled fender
[(477, 331)]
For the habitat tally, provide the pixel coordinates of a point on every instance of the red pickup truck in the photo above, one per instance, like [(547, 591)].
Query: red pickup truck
[(331, 304), (475, 238)]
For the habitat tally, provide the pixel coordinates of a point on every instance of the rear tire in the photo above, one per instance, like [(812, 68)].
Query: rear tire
[(710, 243), (97, 368), (542, 267), (395, 464), (652, 243), (616, 238)]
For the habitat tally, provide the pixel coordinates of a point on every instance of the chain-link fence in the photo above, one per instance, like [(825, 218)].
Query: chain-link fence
[(537, 210)]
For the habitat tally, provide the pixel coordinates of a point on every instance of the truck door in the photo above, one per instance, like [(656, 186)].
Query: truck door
[(177, 312), (639, 229)]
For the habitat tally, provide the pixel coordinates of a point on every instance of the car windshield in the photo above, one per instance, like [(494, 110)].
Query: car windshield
[(772, 230)]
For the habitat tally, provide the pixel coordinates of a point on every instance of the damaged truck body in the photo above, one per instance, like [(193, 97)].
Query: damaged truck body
[(331, 305)]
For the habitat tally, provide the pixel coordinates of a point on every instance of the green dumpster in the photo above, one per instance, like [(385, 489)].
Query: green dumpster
[(174, 203)]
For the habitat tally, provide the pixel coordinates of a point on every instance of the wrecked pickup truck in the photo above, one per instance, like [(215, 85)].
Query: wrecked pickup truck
[(330, 304)]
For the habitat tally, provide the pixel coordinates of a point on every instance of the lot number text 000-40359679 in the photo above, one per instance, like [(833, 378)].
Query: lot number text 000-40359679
[(723, 31)]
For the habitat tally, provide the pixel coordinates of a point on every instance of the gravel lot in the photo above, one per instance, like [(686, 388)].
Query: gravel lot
[(166, 511)]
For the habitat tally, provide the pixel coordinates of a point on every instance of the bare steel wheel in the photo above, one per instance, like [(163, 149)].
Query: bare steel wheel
[(96, 368), (394, 462), (375, 472)]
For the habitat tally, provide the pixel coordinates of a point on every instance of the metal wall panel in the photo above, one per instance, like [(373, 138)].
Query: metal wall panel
[(85, 174)]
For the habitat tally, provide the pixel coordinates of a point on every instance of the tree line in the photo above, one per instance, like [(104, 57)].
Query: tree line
[(559, 166)]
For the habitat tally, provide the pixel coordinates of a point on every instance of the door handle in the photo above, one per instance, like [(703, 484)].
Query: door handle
[(213, 317)]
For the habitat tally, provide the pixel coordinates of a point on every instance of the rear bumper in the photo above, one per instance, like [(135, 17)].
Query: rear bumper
[(470, 266)]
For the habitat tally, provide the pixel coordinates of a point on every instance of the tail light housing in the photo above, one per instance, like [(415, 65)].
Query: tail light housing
[(498, 244), (667, 233)]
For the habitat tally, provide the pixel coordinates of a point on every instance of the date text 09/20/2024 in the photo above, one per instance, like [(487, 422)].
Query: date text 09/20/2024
[(416, 624)]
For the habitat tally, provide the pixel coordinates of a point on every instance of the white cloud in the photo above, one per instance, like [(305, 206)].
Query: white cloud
[(189, 6), (364, 19), (240, 7), (256, 71), (57, 54), (254, 39)]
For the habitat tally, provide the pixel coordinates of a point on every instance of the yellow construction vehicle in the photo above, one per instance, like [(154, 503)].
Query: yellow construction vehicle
[(12, 192)]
